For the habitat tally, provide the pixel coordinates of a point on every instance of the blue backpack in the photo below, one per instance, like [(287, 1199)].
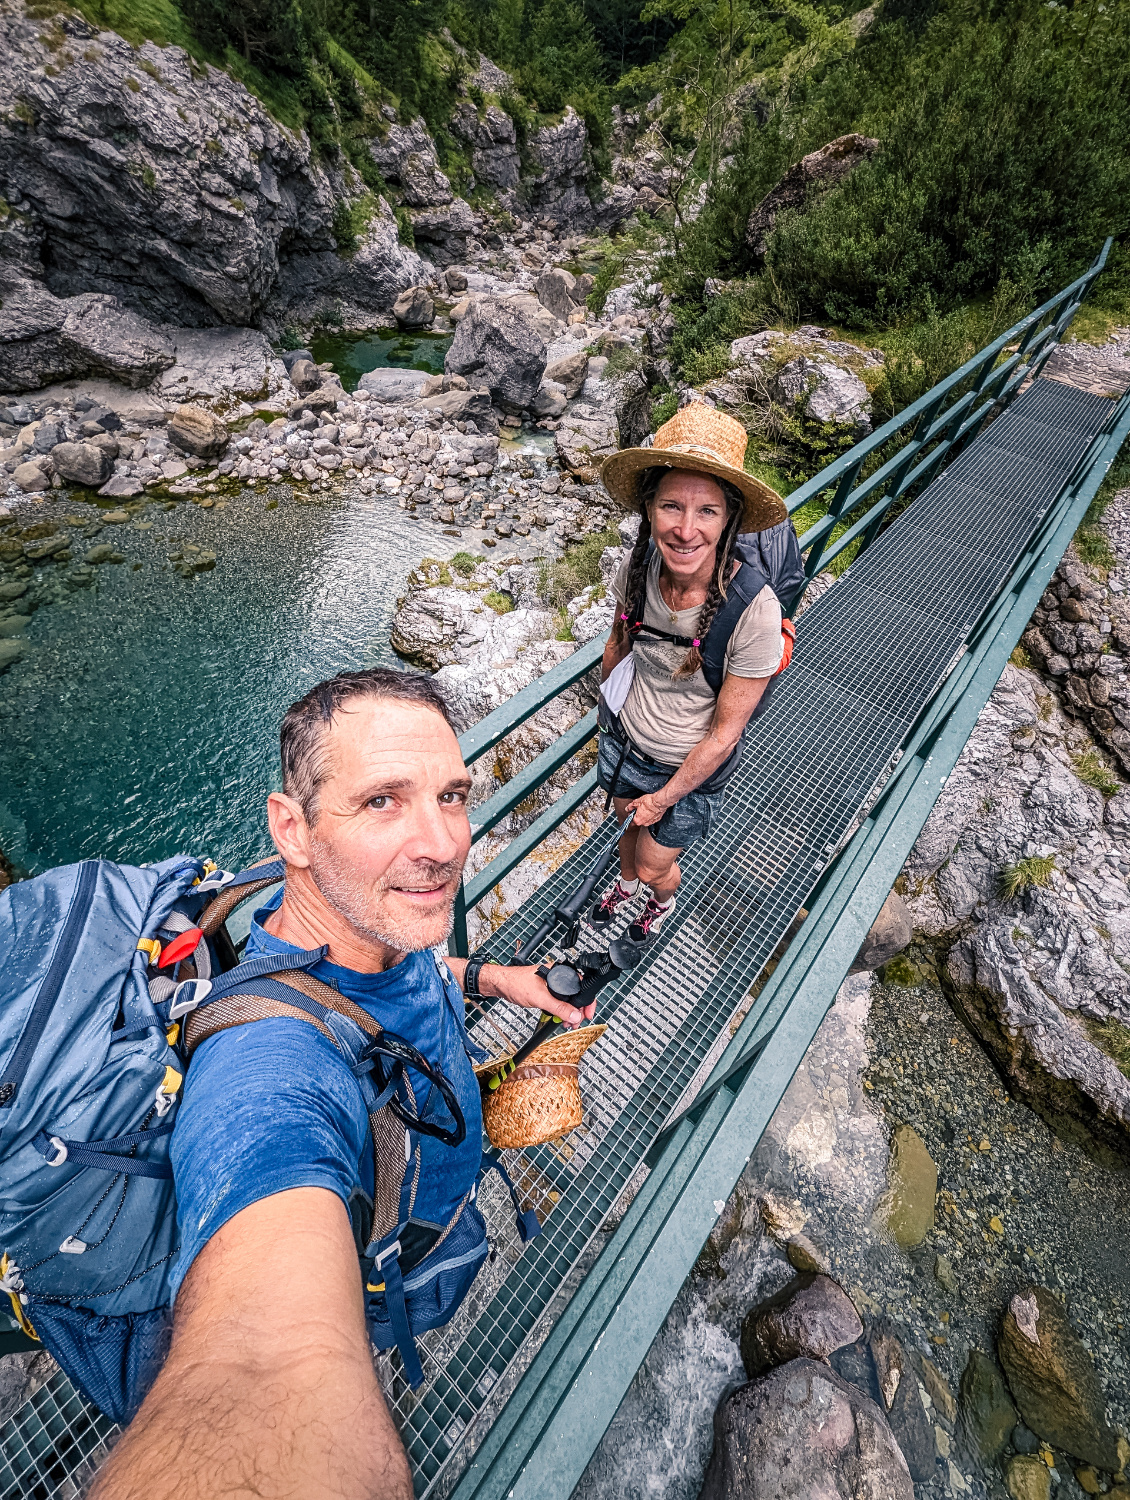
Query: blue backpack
[(112, 975)]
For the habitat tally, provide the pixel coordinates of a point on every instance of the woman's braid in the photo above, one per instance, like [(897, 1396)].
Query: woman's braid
[(716, 593), (637, 563)]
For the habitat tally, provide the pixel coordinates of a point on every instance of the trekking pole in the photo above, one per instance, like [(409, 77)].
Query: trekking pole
[(569, 911), (576, 982)]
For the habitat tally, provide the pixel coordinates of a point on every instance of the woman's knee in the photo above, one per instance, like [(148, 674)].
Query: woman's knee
[(653, 861)]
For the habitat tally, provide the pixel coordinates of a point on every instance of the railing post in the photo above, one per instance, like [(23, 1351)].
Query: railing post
[(839, 500), (459, 926)]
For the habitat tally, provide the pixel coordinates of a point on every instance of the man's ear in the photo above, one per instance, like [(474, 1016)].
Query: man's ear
[(290, 832)]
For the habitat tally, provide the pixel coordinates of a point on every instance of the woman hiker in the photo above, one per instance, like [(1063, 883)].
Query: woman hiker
[(669, 746)]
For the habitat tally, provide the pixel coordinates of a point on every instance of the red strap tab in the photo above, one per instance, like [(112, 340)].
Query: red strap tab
[(788, 640), (181, 946)]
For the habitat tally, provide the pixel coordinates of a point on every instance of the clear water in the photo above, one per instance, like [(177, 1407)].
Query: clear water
[(384, 349), (143, 718)]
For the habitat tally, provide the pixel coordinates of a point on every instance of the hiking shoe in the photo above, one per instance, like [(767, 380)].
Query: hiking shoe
[(650, 920), (610, 903)]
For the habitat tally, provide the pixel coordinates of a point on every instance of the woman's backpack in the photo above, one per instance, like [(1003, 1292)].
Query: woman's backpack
[(106, 968)]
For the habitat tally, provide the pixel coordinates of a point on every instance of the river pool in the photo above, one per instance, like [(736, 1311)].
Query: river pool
[(143, 717)]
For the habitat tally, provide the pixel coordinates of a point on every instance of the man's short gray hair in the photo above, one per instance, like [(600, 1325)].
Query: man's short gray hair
[(302, 737)]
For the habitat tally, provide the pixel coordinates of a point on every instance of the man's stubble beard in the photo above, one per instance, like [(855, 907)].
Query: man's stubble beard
[(363, 905)]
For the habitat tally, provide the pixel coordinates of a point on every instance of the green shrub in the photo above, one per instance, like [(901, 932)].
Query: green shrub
[(1093, 771), (501, 603), (578, 570), (1113, 1038), (465, 563), (1036, 870)]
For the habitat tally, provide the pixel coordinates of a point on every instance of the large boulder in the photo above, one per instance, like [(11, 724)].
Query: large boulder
[(44, 338), (585, 438), (305, 376), (1053, 1379), (414, 307), (494, 144), (569, 372), (194, 430), (810, 1317), (84, 464), (819, 170), (802, 1432), (394, 386), (222, 363), (463, 406), (495, 346), (555, 291)]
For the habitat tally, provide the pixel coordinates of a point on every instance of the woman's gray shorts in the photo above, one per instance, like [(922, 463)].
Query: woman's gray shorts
[(692, 816)]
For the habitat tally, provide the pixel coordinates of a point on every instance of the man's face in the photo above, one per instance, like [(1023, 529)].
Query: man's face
[(391, 837)]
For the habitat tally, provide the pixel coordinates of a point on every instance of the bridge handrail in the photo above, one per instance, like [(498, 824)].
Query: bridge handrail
[(897, 477)]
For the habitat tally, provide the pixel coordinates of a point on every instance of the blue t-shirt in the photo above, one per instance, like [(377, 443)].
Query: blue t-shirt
[(272, 1105)]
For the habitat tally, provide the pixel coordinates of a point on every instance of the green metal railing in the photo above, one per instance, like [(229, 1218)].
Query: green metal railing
[(932, 431)]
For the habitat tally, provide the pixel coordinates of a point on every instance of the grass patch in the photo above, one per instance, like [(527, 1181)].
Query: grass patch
[(1025, 874), (1093, 771), (578, 570), (1113, 1038), (1020, 657), (465, 563), (501, 603)]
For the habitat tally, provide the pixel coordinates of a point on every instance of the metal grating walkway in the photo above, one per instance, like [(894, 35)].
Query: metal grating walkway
[(871, 654)]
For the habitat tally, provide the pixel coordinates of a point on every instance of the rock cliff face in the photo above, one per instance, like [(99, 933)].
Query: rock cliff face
[(139, 174)]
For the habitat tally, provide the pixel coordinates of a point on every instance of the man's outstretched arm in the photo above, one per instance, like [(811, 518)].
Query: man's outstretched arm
[(269, 1391)]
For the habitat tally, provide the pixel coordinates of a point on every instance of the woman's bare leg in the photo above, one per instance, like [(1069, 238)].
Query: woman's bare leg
[(641, 858)]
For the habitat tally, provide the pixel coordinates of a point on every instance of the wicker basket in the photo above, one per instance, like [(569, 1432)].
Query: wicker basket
[(541, 1099)]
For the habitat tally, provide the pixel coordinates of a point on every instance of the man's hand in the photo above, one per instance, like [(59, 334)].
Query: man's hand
[(522, 986)]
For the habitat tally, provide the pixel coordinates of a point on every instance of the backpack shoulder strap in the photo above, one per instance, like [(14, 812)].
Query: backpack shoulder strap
[(261, 996), (298, 995), (249, 882), (744, 588)]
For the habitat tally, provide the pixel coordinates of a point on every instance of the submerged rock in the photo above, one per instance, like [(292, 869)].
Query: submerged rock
[(913, 1186), (1053, 1379), (800, 1432), (811, 1317), (986, 1407)]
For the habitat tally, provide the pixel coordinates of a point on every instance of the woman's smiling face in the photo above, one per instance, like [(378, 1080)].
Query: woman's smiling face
[(688, 515)]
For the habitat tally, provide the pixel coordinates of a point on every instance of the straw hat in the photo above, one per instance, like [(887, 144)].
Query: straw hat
[(704, 441), (541, 1099)]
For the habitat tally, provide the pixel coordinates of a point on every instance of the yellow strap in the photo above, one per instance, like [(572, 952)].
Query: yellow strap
[(17, 1306), (150, 946), (369, 1287), (172, 1034), (172, 1082)]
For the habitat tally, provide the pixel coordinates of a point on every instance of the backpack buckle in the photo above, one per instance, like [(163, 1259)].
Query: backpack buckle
[(188, 995), (60, 1156), (383, 1255), (215, 880)]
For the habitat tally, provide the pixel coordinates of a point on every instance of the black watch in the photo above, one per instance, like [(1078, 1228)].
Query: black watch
[(471, 975)]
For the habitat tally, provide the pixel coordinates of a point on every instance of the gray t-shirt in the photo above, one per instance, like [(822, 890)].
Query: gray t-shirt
[(666, 716)]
